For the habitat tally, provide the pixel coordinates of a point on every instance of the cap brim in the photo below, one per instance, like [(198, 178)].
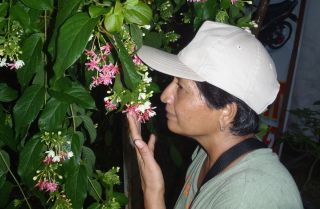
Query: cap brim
[(166, 63)]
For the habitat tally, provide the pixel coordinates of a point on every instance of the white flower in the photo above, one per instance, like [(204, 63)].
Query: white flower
[(19, 64), (146, 27), (144, 106), (34, 178), (70, 154), (56, 158), (151, 113), (3, 62), (50, 153), (142, 96), (145, 78)]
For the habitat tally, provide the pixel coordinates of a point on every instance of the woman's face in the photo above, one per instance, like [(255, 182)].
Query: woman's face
[(187, 111)]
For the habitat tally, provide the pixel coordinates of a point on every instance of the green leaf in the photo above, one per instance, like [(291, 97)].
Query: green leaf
[(76, 185), (225, 4), (234, 12), (205, 11), (79, 95), (71, 92), (96, 11), (121, 198), (72, 40), (88, 124), (6, 136), (136, 34), (7, 94), (53, 115), (76, 145), (4, 164), (30, 159), (65, 10), (3, 9), (131, 77), (140, 13), (32, 56), (40, 5), (62, 84), (94, 189), (131, 2), (5, 194), (118, 87), (113, 20), (28, 106), (88, 159), (154, 39), (243, 21), (17, 13), (95, 206)]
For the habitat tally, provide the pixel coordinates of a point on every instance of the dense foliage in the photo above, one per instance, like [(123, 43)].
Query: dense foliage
[(52, 54)]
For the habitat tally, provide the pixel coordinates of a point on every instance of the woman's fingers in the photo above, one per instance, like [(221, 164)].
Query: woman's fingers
[(151, 143), (134, 127), (144, 152)]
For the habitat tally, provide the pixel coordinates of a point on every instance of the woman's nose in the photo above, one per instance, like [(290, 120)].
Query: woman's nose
[(167, 94)]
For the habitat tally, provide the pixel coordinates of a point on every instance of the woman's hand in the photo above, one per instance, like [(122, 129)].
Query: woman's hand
[(152, 182)]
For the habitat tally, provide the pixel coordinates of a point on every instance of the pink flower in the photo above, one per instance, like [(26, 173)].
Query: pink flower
[(131, 109), (90, 53), (16, 65), (41, 185), (93, 64), (136, 60), (143, 112), (49, 186), (47, 160), (110, 69), (105, 78), (233, 1), (115, 70), (106, 49), (108, 104)]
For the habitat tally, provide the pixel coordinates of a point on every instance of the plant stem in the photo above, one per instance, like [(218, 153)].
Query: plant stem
[(73, 120), (45, 57), (95, 190), (25, 198)]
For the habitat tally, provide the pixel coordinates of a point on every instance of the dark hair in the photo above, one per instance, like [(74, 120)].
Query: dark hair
[(246, 120)]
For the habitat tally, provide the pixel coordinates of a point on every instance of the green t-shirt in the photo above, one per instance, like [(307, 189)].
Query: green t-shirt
[(258, 181)]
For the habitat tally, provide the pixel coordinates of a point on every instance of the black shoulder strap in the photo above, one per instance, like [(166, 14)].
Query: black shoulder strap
[(231, 154)]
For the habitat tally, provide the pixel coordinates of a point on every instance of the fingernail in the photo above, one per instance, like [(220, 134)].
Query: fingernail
[(138, 143)]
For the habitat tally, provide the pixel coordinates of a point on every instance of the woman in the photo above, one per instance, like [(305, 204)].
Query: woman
[(222, 80)]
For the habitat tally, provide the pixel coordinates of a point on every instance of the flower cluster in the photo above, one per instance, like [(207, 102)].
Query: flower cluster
[(135, 101), (143, 112), (58, 151), (10, 47), (98, 61), (47, 185)]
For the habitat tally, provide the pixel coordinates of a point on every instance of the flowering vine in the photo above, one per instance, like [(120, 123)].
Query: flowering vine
[(10, 46), (47, 179), (100, 60)]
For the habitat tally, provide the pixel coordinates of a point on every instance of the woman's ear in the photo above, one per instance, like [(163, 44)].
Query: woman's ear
[(228, 113)]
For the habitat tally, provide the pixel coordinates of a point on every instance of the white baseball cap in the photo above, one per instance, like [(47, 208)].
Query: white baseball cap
[(225, 56)]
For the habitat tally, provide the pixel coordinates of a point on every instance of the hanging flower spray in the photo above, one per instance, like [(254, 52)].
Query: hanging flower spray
[(108, 73)]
